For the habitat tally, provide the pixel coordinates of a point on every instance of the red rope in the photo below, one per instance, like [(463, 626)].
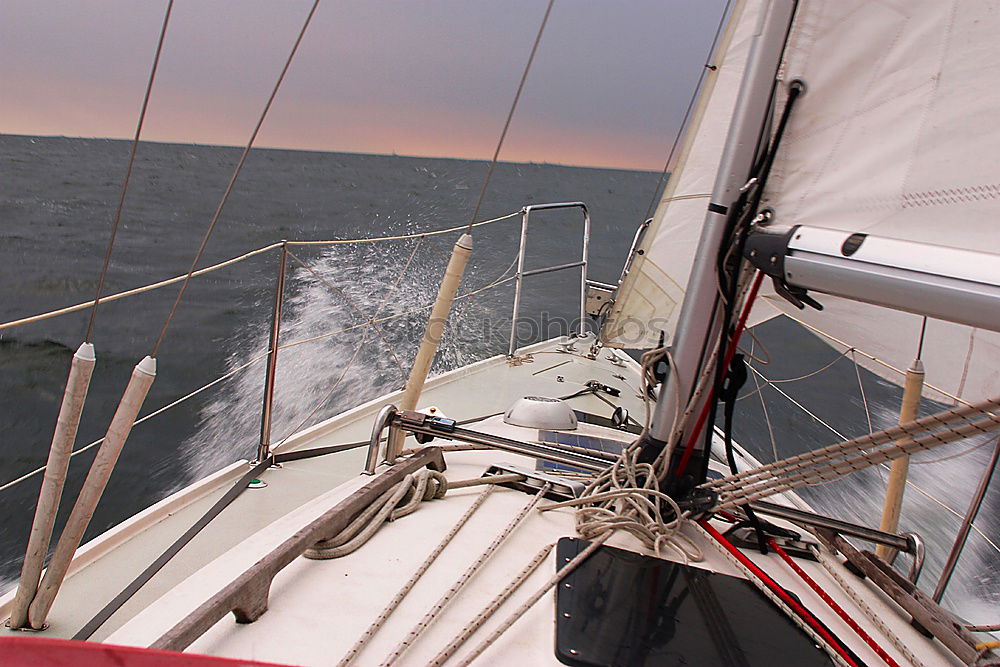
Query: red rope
[(703, 417), (803, 613), (833, 605)]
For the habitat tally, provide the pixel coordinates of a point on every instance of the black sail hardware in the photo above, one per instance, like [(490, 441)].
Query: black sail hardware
[(767, 252)]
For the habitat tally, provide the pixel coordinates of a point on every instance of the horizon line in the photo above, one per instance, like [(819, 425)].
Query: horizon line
[(319, 150)]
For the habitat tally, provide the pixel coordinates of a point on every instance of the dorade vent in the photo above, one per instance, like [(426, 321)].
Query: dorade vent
[(541, 412)]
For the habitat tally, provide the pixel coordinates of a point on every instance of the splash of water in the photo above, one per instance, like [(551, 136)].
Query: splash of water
[(344, 288)]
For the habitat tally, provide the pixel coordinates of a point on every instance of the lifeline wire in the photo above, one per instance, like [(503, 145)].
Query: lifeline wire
[(208, 269), (128, 173), (232, 181), (510, 114)]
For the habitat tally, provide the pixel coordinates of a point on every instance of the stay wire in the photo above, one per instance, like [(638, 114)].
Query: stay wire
[(232, 180), (128, 174), (510, 114), (690, 107)]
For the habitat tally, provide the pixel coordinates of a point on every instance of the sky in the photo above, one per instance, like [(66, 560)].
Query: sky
[(435, 78)]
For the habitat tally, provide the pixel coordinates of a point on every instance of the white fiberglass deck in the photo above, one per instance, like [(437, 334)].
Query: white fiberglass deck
[(104, 566), (317, 609)]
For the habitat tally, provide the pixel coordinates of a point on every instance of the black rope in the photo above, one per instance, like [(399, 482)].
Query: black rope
[(736, 377), (510, 115)]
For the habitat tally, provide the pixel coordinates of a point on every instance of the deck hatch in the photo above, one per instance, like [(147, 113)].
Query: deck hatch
[(621, 608)]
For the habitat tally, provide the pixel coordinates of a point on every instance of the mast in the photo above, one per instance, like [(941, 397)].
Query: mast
[(698, 325)]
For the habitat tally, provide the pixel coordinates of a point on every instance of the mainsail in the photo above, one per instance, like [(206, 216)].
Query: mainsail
[(648, 300), (896, 137)]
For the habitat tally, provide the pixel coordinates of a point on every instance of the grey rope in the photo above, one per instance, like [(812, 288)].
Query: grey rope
[(472, 626), (535, 597), (397, 502), (366, 636), (128, 174), (460, 583)]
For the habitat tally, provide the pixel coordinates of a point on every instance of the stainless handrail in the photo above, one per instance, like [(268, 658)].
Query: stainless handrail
[(384, 418), (264, 448), (963, 532), (640, 234), (521, 273), (918, 552)]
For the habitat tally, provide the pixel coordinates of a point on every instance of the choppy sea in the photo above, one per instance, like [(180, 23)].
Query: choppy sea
[(57, 197)]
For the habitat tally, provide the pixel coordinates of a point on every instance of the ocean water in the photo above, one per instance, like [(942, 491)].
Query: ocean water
[(57, 196)]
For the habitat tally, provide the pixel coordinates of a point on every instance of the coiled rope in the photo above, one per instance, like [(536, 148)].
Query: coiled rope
[(397, 502), (627, 497)]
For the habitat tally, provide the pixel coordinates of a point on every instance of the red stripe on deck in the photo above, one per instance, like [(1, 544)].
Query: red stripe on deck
[(39, 652)]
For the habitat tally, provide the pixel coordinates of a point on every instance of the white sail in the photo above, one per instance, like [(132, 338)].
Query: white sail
[(897, 137), (648, 300)]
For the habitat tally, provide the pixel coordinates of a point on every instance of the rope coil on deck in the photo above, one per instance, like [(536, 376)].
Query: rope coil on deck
[(397, 502)]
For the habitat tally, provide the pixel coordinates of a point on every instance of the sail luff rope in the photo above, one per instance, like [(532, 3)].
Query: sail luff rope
[(232, 181), (128, 174), (687, 112), (510, 115)]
